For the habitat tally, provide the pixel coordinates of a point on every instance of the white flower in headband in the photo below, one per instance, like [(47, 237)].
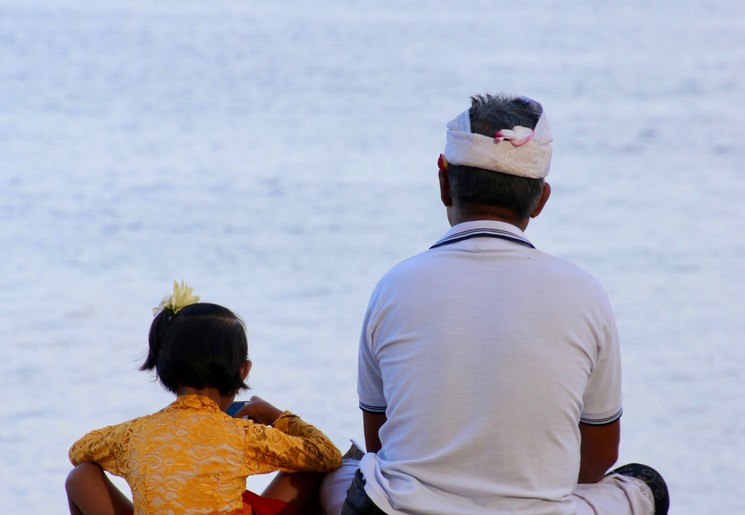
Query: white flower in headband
[(181, 297)]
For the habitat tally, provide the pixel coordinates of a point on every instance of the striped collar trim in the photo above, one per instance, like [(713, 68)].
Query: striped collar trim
[(483, 232)]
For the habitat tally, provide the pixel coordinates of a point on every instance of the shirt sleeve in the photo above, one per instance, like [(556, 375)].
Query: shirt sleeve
[(602, 402), (107, 447), (369, 377), (291, 445)]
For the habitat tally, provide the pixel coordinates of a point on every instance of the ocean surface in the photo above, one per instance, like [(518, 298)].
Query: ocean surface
[(280, 157)]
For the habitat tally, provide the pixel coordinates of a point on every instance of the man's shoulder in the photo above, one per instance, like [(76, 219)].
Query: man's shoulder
[(563, 267), (412, 265), (548, 269)]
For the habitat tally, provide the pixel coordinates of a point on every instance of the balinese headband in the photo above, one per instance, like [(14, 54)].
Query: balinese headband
[(181, 297), (518, 151)]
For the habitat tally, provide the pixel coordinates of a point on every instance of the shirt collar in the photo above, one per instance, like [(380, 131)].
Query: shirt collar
[(486, 228)]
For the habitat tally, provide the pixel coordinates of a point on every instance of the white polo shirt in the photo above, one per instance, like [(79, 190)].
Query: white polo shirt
[(485, 354)]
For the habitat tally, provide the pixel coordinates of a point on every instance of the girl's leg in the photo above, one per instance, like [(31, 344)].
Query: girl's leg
[(90, 492)]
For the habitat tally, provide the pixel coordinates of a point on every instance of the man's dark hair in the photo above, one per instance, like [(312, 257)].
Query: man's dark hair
[(203, 345), (470, 185)]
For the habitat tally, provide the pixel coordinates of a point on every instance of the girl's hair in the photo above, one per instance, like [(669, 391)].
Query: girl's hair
[(202, 345)]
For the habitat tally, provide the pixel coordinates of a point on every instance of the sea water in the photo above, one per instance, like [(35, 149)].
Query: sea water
[(281, 156)]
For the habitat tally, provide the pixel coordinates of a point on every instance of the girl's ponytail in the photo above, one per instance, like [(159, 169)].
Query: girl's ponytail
[(156, 337)]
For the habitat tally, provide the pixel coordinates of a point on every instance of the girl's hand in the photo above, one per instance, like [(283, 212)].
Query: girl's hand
[(259, 410)]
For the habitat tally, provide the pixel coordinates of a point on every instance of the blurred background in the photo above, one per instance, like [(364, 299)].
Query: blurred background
[(280, 159)]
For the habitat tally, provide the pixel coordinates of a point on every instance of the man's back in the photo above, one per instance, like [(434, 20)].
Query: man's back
[(484, 354), (489, 372)]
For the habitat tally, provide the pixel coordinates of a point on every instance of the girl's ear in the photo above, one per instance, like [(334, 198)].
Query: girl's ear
[(246, 368)]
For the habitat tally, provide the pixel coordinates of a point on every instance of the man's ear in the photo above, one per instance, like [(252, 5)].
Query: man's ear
[(445, 194), (245, 369), (542, 201)]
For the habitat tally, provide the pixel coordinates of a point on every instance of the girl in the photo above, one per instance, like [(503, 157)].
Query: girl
[(191, 457)]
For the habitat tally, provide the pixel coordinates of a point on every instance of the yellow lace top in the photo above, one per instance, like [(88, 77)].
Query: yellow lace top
[(191, 457)]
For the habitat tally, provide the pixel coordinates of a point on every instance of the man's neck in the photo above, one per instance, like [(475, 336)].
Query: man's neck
[(458, 215)]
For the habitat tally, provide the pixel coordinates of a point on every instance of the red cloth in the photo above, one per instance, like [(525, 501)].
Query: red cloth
[(254, 504), (265, 506)]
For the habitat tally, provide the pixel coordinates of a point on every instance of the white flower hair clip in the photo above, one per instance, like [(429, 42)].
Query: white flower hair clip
[(181, 297), (518, 136)]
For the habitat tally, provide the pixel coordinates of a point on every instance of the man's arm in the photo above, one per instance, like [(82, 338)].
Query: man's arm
[(372, 422), (599, 450)]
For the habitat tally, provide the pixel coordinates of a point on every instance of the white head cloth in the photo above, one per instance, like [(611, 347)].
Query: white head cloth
[(508, 153)]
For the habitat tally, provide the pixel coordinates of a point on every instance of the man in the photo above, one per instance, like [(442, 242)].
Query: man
[(489, 371)]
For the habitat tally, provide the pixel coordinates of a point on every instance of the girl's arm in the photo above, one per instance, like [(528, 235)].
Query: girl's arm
[(291, 445), (100, 446)]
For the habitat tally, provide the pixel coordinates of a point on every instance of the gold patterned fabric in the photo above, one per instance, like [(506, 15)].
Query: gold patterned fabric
[(191, 457)]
